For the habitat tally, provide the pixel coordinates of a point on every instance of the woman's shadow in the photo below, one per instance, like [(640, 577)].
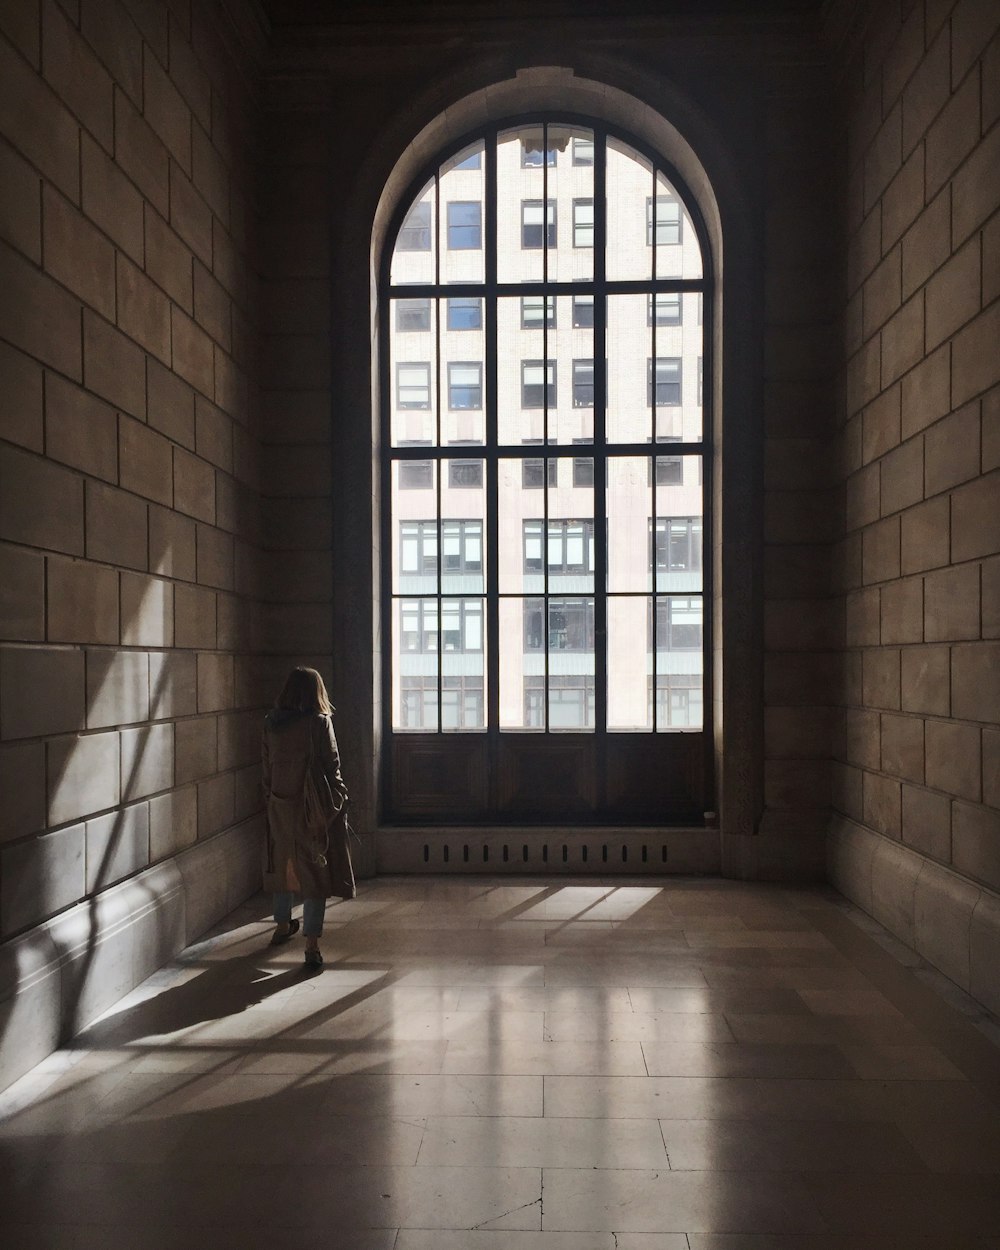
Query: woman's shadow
[(224, 988)]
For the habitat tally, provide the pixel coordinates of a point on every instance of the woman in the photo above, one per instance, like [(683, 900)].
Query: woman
[(305, 799)]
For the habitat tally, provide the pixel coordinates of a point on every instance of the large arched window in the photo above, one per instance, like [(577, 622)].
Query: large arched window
[(544, 483)]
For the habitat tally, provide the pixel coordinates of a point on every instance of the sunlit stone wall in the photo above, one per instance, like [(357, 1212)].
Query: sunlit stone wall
[(128, 490)]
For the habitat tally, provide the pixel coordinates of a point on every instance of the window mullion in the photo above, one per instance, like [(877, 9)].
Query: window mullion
[(600, 490), (491, 537)]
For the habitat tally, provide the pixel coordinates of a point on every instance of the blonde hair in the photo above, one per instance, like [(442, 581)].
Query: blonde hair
[(304, 691)]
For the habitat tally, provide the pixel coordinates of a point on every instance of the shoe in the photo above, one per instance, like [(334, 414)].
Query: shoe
[(314, 959), (279, 939)]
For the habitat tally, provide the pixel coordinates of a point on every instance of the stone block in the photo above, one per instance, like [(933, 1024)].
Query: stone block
[(173, 685), (20, 205), (976, 842), (110, 199), (943, 908), (171, 544), (927, 91), (951, 604), (991, 767), (881, 804), (82, 602), (926, 392), (173, 822), (113, 366), (38, 315), (194, 486), (117, 688), (296, 416), (304, 358), (22, 603), (216, 804), (973, 24), (991, 598), (143, 310), (975, 188), (190, 216), (215, 558), (116, 41), (192, 352), (116, 527), (895, 870), (862, 738), (195, 749), (140, 153), (902, 610), (884, 158), (927, 244), (45, 131), (166, 112), (862, 618), (984, 948), (192, 81), (902, 476), (195, 617), (21, 24), (925, 680), (170, 404), (22, 783), (239, 739), (248, 797), (41, 504), (903, 747), (212, 307), (147, 611), (880, 672), (925, 536), (146, 461), (215, 682), (926, 822), (117, 846), (845, 784), (903, 199), (882, 292), (975, 681), (880, 551), (210, 175), (147, 760), (953, 295), (76, 75), (975, 363), (795, 733), (21, 399), (82, 776), (903, 340), (863, 497), (80, 430), (41, 691), (975, 518), (952, 135), (169, 261), (864, 249), (236, 624), (991, 260), (40, 877), (952, 450), (991, 84), (214, 434), (953, 758)]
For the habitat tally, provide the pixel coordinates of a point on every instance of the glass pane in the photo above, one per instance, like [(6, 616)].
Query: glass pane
[(522, 664), (528, 391), (412, 374), (678, 254), (630, 347), (415, 665), (463, 526), (629, 508), (463, 372), (461, 189), (525, 224), (569, 546), (414, 530), (571, 189), (414, 255), (679, 662), (677, 540), (629, 666), (572, 348), (463, 687), (520, 505), (629, 190)]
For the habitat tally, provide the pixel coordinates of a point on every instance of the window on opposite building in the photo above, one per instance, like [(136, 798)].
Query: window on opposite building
[(464, 313), (583, 223), (666, 228), (668, 381), (465, 384), (538, 384), (532, 307), (465, 225), (415, 232), (413, 384), (583, 311), (538, 224), (664, 309)]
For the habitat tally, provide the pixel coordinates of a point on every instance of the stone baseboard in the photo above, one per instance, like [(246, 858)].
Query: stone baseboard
[(59, 976), (948, 919)]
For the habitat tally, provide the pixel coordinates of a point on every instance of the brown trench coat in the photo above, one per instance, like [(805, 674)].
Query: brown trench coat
[(294, 852)]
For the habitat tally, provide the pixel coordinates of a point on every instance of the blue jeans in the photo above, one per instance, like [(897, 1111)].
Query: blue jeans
[(313, 910)]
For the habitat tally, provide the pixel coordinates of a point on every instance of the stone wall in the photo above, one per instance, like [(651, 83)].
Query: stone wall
[(916, 837), (128, 491)]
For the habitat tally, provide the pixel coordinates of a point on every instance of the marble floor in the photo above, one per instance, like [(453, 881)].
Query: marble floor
[(527, 1064)]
